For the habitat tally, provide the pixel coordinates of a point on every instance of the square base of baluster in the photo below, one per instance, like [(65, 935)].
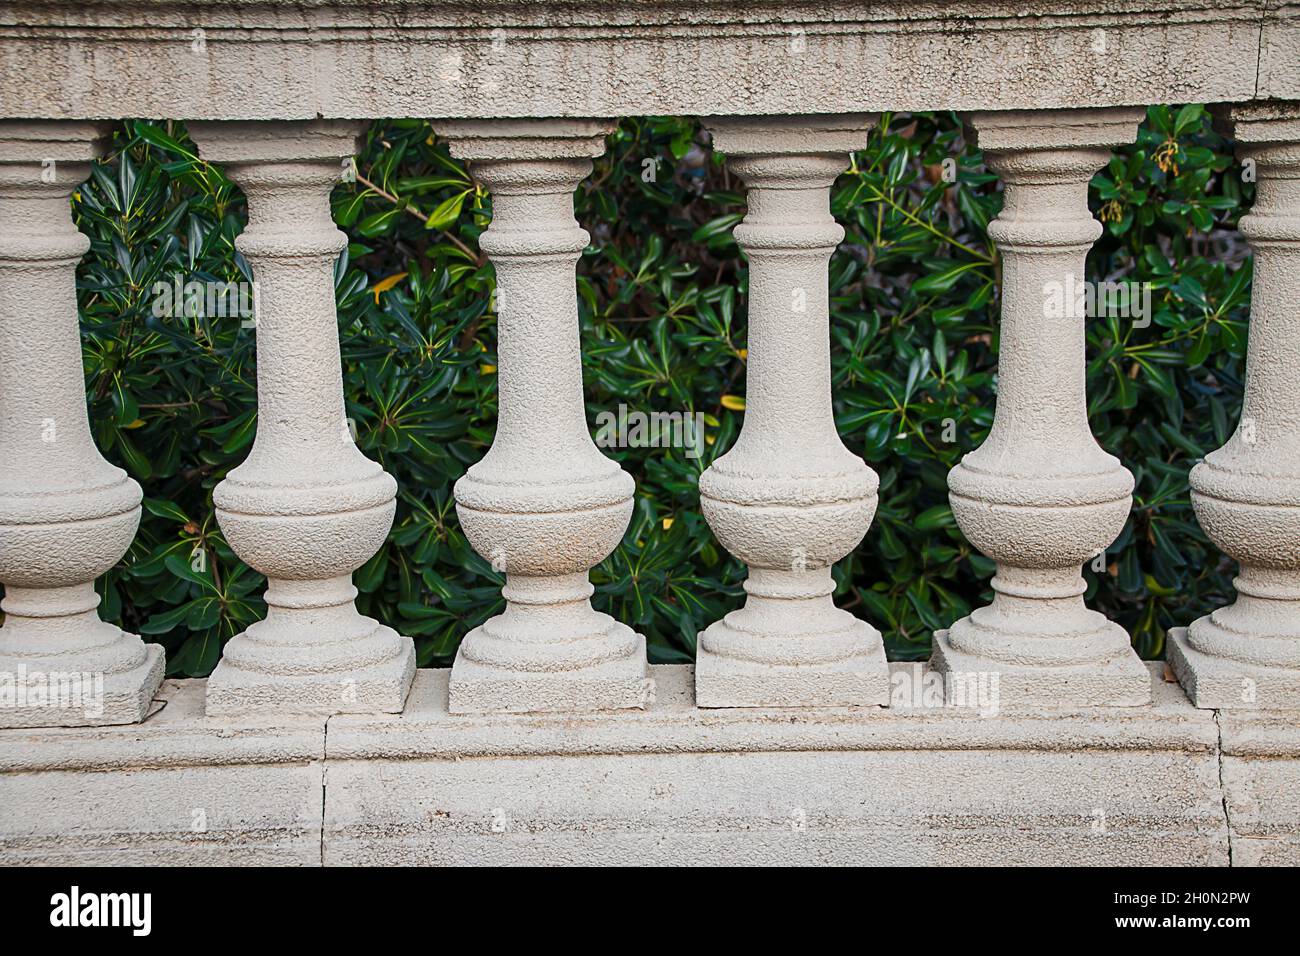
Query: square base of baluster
[(1121, 682), (623, 684), (727, 682), (378, 689), (75, 700), (1217, 683)]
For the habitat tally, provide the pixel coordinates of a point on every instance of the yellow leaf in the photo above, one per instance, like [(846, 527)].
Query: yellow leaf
[(734, 402), (743, 353), (667, 523), (135, 424), (487, 369), (383, 285)]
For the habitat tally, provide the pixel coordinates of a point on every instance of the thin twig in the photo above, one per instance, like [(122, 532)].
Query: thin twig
[(422, 217)]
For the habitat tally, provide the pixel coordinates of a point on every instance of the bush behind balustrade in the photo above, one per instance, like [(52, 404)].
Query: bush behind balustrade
[(661, 290)]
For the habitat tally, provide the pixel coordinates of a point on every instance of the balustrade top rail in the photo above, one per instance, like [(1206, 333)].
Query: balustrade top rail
[(275, 59)]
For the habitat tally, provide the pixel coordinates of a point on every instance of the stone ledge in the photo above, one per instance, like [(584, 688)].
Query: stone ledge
[(673, 785), (593, 58)]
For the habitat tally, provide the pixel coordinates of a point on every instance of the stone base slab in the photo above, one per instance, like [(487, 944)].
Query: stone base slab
[(382, 689), (1261, 785), (127, 697), (177, 789), (622, 684), (671, 784), (1221, 684), (677, 785), (727, 682), (1124, 682)]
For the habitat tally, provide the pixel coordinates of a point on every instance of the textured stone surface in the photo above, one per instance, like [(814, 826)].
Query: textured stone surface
[(449, 58), (672, 784), (306, 508), (680, 785), (66, 514), (1118, 680), (1247, 493), (179, 789), (1224, 683), (544, 505), (1279, 53), (1040, 496), (1261, 784)]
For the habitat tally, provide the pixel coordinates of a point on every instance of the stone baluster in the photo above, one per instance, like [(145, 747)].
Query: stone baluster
[(1247, 493), (306, 508), (1040, 497), (66, 514), (544, 505), (789, 499)]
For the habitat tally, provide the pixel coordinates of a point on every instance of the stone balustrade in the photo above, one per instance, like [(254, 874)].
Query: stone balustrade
[(788, 709)]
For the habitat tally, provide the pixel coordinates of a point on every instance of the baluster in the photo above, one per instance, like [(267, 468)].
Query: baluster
[(66, 514), (789, 499), (1247, 493), (306, 508), (544, 505), (1040, 496)]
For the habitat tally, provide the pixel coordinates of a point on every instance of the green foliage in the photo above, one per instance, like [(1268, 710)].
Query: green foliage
[(662, 300)]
